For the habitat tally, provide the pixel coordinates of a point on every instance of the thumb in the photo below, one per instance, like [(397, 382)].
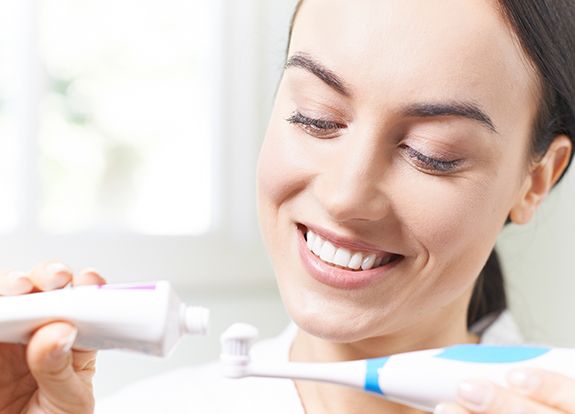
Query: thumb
[(51, 363)]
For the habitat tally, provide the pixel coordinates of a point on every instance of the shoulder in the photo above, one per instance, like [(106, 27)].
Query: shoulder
[(203, 390), (499, 329)]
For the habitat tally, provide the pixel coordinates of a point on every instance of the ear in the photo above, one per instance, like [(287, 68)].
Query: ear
[(542, 177)]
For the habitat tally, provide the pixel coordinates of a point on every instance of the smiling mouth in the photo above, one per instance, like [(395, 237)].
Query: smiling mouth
[(329, 252)]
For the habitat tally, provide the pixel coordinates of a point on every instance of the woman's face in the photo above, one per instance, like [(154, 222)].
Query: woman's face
[(400, 132)]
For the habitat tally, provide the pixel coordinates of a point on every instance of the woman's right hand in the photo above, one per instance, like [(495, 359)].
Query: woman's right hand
[(46, 376)]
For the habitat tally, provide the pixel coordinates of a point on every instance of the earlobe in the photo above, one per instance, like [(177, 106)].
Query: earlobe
[(522, 211), (521, 214), (543, 176)]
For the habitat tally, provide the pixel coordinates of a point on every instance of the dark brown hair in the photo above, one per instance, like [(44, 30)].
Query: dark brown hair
[(545, 29)]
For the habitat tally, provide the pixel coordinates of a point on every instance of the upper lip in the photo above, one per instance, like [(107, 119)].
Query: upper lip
[(340, 241)]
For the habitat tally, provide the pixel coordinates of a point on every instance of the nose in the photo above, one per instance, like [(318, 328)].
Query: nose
[(350, 187)]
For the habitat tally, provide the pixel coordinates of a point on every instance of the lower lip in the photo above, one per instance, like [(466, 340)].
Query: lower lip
[(337, 277)]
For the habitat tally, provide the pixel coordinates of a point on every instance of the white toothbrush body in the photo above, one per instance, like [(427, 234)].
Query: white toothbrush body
[(420, 379)]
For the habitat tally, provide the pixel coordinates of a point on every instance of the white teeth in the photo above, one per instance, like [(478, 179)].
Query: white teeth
[(355, 262), (327, 252), (318, 242), (342, 257), (368, 262), (310, 239)]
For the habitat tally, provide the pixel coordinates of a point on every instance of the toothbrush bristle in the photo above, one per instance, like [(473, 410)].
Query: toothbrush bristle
[(238, 338), (236, 347), (236, 343)]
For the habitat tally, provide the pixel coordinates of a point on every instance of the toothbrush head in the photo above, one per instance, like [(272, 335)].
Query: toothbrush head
[(236, 343)]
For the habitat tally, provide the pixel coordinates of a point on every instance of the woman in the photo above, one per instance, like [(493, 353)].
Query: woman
[(404, 135)]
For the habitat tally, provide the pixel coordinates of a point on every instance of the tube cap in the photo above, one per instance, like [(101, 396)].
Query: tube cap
[(196, 320)]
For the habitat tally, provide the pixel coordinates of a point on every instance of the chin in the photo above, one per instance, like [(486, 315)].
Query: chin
[(331, 332), (333, 326)]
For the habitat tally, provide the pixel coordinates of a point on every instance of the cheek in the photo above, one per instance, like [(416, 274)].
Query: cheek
[(284, 165), (276, 175), (453, 227), (281, 173), (455, 221), (458, 219)]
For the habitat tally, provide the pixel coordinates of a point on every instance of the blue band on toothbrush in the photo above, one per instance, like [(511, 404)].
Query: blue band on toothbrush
[(373, 366), (491, 353)]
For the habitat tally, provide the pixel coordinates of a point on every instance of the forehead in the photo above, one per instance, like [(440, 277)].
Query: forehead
[(390, 51)]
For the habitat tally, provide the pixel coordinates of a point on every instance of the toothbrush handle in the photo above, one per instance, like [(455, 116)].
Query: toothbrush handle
[(351, 373), (425, 380)]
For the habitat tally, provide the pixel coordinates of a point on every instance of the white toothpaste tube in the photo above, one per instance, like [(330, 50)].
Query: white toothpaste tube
[(147, 318)]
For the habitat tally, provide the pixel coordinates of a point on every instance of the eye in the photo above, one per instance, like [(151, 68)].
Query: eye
[(434, 165), (319, 128)]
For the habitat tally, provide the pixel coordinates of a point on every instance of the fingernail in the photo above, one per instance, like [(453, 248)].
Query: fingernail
[(90, 271), (60, 274), (475, 395), (444, 409), (14, 275), (57, 268), (524, 380), (65, 344), (20, 282)]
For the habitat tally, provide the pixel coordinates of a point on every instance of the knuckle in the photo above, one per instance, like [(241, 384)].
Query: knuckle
[(552, 389), (88, 365), (59, 373), (507, 403), (561, 395)]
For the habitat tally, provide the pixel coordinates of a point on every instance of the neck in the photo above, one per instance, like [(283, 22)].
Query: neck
[(437, 331)]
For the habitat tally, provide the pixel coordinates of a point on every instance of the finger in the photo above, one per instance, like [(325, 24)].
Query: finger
[(84, 360), (88, 277), (84, 364), (15, 283), (51, 275), (448, 408), (51, 363), (480, 396), (546, 387)]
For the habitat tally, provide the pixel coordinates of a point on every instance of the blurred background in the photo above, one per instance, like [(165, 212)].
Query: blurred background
[(129, 133)]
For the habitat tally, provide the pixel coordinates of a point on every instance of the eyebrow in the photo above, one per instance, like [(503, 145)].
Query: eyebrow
[(469, 110), (305, 61)]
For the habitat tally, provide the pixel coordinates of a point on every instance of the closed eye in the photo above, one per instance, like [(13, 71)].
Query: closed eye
[(430, 163), (320, 128)]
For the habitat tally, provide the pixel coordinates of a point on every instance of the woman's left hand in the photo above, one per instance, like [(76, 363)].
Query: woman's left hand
[(530, 391)]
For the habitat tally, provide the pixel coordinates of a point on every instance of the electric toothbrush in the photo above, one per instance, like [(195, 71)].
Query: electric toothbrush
[(420, 379)]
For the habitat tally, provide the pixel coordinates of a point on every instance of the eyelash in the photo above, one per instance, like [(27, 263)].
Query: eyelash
[(326, 129), (319, 128), (434, 164)]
